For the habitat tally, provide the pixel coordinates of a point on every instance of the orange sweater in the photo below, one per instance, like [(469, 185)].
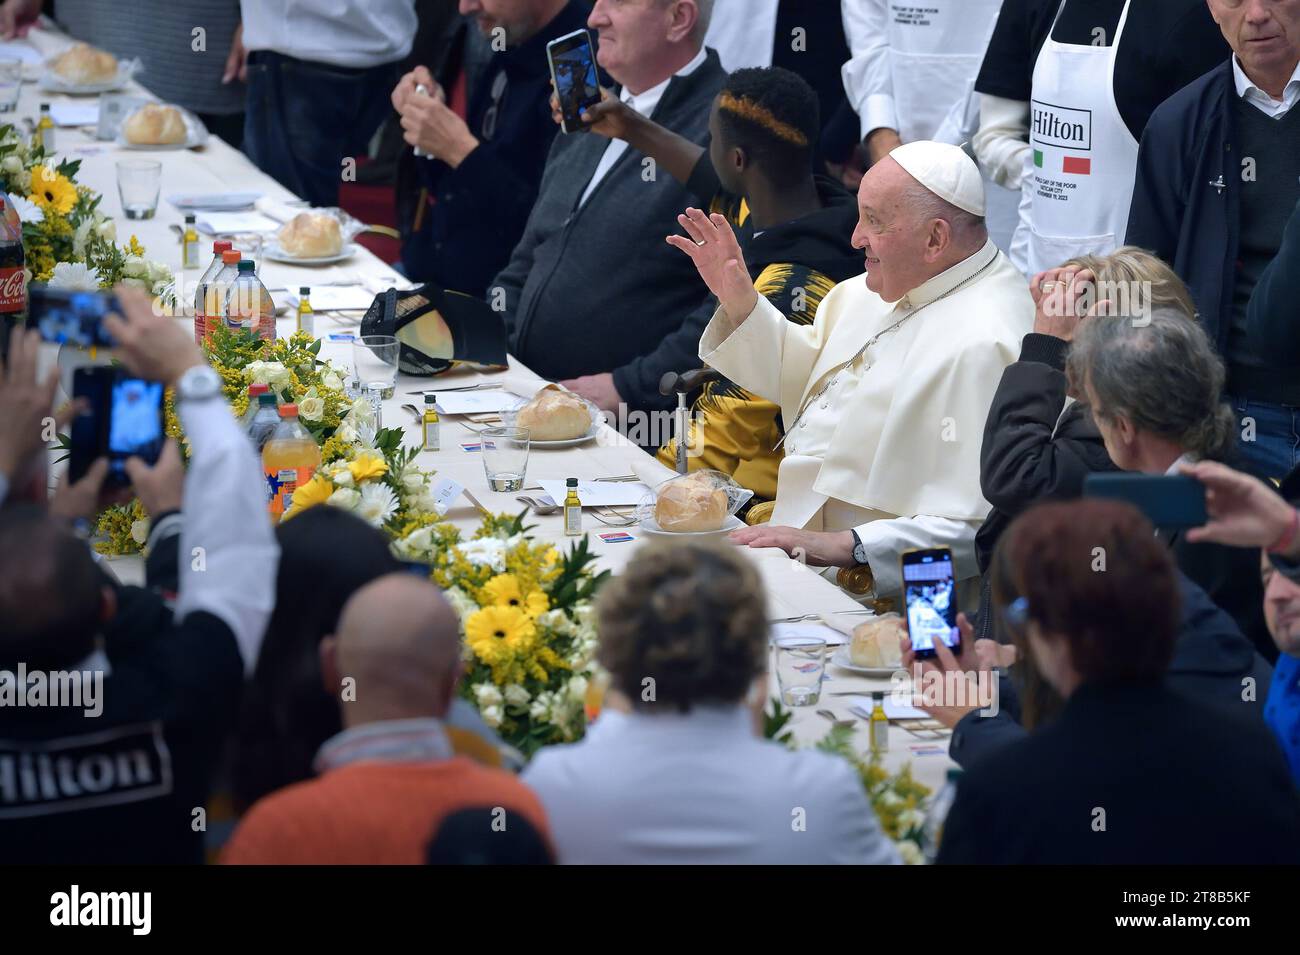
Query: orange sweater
[(373, 813)]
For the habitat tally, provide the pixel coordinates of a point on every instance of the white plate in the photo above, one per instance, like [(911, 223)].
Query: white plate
[(733, 523), (214, 201), (272, 252), (842, 659), (568, 443)]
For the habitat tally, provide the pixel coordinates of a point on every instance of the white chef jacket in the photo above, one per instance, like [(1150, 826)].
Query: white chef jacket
[(355, 34)]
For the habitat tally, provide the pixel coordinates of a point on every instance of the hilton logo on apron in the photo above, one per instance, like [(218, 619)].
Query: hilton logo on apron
[(1064, 130)]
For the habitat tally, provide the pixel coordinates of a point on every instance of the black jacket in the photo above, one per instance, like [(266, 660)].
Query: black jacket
[(1212, 663), (1273, 315), (471, 217), (594, 287), (1129, 775), (1186, 200)]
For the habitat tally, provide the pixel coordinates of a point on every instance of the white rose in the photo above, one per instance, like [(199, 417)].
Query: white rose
[(159, 271), (485, 694), (540, 708), (135, 267), (413, 482), (516, 695), (107, 229), (909, 852), (139, 531), (361, 412), (419, 542), (492, 716), (331, 381), (344, 478), (344, 497), (346, 433), (311, 408), (12, 165), (577, 688)]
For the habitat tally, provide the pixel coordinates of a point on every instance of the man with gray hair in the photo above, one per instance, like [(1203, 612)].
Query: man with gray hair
[(884, 397), (1154, 389)]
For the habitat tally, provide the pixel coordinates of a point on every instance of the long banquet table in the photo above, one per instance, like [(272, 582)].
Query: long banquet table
[(792, 589)]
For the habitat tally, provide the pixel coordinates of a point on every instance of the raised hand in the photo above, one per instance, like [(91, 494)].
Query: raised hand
[(718, 258)]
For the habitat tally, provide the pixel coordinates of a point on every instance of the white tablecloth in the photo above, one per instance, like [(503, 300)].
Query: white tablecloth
[(792, 589)]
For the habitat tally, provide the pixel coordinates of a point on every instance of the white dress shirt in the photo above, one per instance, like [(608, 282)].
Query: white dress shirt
[(643, 103), (700, 787), (743, 32), (1252, 94), (356, 34), (228, 552)]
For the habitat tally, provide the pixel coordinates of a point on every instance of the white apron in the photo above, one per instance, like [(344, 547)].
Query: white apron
[(936, 50), (1083, 159)]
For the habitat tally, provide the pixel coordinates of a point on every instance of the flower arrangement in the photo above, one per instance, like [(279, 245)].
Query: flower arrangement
[(897, 800), (528, 621), (68, 242)]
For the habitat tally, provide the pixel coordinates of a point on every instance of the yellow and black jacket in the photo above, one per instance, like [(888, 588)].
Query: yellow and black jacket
[(793, 265)]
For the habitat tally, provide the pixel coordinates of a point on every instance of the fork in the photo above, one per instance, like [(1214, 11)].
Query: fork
[(613, 518)]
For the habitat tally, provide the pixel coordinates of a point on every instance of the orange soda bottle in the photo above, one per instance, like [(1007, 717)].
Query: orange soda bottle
[(289, 459)]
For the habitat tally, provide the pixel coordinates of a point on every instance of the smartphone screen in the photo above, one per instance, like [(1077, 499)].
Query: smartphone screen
[(930, 593), (573, 70), (71, 318), (1169, 501), (124, 419)]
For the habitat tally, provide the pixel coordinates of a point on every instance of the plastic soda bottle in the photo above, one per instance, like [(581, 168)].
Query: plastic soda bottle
[(249, 304), (289, 459), (265, 419), (201, 289)]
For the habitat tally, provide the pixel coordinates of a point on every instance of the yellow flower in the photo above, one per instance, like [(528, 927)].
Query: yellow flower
[(496, 634), (367, 466), (316, 491), (504, 591), (52, 191), (134, 247)]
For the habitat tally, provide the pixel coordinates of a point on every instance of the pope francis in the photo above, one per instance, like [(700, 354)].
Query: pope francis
[(884, 396)]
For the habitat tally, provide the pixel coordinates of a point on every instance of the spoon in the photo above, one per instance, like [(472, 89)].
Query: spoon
[(538, 507)]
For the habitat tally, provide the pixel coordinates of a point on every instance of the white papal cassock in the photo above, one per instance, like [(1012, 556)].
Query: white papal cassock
[(891, 449)]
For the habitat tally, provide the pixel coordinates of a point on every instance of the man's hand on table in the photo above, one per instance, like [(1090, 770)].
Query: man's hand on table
[(431, 125), (713, 248), (814, 548), (598, 389), (17, 17)]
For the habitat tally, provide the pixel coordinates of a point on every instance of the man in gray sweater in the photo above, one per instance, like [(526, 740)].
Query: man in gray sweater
[(593, 296)]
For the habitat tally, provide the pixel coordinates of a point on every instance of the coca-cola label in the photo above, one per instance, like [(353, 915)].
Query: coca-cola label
[(13, 289)]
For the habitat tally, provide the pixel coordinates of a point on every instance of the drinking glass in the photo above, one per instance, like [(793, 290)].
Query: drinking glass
[(800, 666), (11, 82), (505, 457), (138, 184), (374, 362)]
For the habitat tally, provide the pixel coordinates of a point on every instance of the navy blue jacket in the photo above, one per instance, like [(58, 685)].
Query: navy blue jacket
[(1187, 195), (1273, 316), (478, 210)]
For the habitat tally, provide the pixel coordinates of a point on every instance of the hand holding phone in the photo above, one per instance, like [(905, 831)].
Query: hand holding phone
[(572, 60), (122, 418), (65, 317), (930, 599)]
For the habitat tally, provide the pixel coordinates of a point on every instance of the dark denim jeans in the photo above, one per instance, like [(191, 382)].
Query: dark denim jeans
[(1275, 449), (304, 119)]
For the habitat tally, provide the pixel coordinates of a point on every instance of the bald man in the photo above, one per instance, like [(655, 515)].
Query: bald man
[(389, 778), (883, 398)]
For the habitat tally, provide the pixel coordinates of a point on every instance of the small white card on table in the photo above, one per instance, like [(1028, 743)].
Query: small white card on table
[(445, 493), (474, 402), (599, 493)]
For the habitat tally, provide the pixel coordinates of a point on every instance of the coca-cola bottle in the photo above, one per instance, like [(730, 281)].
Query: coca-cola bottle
[(13, 281)]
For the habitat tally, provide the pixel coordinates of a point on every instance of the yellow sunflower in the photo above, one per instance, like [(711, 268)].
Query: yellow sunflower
[(504, 591), (53, 191), (316, 491), (498, 634)]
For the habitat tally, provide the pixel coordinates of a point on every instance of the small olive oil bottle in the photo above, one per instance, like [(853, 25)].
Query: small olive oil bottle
[(879, 724), (190, 244), (432, 426), (572, 509), (45, 130), (306, 316)]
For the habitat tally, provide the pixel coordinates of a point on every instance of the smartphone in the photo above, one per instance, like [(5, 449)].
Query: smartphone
[(123, 418), (1169, 501), (573, 71), (930, 595), (417, 567), (71, 318)]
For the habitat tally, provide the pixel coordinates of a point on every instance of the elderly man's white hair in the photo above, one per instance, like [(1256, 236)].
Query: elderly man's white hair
[(925, 205)]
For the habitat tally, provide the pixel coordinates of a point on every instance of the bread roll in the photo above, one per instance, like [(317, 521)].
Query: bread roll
[(555, 415), (691, 504), (83, 65), (154, 125), (875, 643), (312, 235)]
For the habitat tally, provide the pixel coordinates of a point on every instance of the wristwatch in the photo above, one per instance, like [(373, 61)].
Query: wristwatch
[(859, 551), (199, 383)]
